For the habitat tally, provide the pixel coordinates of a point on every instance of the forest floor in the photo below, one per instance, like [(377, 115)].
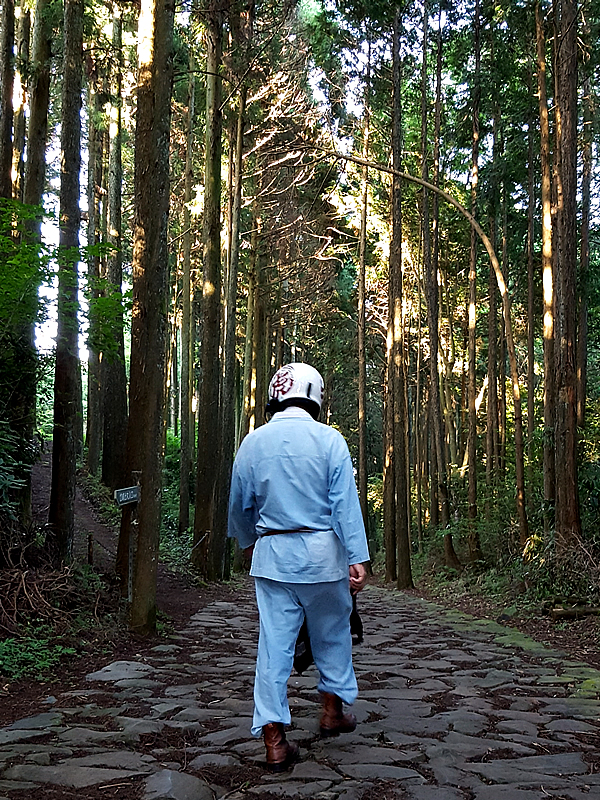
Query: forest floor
[(193, 616)]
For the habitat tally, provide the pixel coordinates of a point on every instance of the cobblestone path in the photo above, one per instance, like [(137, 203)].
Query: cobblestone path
[(450, 708)]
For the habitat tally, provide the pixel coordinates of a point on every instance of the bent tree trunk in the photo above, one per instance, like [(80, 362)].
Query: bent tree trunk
[(512, 355)]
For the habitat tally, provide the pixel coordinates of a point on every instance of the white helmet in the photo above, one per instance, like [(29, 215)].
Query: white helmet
[(296, 382)]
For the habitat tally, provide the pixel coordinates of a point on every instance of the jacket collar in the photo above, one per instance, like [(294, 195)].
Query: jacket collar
[(291, 412)]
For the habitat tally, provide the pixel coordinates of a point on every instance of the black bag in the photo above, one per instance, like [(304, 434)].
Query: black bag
[(303, 656)]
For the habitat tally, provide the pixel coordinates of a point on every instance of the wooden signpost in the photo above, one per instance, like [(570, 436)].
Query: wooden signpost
[(125, 497)]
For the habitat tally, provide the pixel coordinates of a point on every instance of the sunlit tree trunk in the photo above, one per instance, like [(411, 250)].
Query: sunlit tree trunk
[(149, 313), (209, 544), (475, 553), (94, 422), (397, 363), (185, 458), (362, 265), (114, 378), (568, 524), (39, 98), (20, 94), (547, 279), (432, 299), (67, 386), (7, 78), (228, 403)]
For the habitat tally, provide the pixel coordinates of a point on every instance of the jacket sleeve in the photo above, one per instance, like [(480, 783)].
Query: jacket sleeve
[(242, 517), (346, 513)]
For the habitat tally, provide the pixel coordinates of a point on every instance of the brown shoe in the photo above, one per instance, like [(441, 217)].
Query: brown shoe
[(333, 719), (281, 754)]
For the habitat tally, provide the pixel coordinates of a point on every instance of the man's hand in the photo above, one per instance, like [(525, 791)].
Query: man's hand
[(358, 578), (248, 551)]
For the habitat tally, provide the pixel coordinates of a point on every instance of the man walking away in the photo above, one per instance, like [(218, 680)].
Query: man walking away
[(295, 509)]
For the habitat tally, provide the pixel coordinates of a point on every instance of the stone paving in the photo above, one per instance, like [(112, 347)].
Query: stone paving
[(450, 708)]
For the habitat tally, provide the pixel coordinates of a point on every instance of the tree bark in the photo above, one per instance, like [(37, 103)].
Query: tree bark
[(530, 289), (209, 544), (398, 374), (114, 377), (94, 422), (67, 408), (584, 252), (568, 523), (185, 458), (20, 91), (549, 467), (475, 553), (228, 405), (149, 313), (39, 98), (362, 264), (7, 78)]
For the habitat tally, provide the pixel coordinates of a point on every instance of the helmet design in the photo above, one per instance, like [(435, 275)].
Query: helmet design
[(296, 382)]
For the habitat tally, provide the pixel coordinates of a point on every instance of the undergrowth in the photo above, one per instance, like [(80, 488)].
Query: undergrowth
[(55, 614)]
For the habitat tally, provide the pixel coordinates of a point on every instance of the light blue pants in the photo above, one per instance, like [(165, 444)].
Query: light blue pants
[(282, 608)]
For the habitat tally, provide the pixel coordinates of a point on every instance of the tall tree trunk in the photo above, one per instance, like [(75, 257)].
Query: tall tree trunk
[(502, 404), (475, 553), (20, 92), (530, 287), (568, 524), (362, 323), (229, 372), (149, 314), (432, 298), (247, 376), (209, 544), (93, 438), (7, 79), (398, 374), (114, 377), (259, 335), (185, 458), (492, 433), (39, 97), (434, 505), (389, 493), (59, 540), (547, 280), (584, 252), (419, 430)]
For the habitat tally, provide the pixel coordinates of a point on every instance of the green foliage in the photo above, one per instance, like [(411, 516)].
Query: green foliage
[(23, 267), (34, 656), (107, 306), (175, 547), (100, 497), (80, 612), (550, 570), (10, 469), (45, 396)]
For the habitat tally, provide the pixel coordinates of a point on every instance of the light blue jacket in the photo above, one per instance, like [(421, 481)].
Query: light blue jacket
[(295, 473)]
